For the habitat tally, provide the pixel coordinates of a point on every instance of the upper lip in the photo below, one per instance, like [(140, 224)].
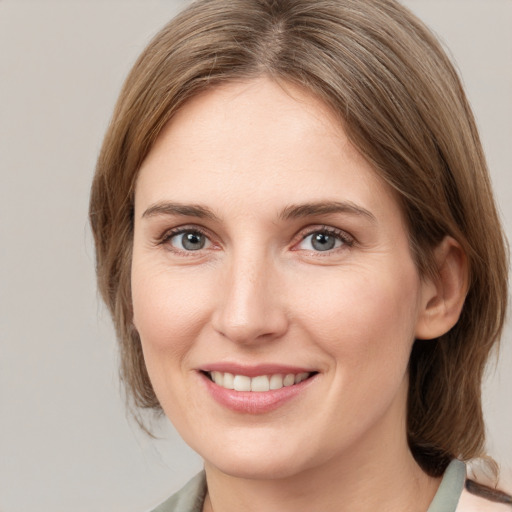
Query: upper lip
[(255, 370)]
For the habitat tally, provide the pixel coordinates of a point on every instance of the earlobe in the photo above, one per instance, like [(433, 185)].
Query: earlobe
[(443, 295)]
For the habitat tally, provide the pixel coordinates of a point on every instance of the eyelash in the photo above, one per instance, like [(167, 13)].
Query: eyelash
[(346, 239), (170, 234)]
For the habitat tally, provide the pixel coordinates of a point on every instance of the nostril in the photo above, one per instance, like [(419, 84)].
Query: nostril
[(247, 307)]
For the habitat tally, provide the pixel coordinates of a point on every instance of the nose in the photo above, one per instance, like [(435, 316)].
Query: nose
[(250, 305)]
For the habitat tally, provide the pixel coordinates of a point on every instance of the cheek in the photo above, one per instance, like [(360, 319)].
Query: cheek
[(364, 318), (168, 310)]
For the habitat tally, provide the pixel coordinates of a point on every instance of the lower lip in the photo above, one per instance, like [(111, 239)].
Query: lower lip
[(255, 402)]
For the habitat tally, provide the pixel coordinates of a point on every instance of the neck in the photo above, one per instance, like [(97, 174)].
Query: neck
[(377, 473)]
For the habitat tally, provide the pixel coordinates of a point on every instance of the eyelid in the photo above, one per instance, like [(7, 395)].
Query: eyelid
[(168, 234), (347, 239)]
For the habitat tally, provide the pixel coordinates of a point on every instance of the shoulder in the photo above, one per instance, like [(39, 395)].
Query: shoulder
[(470, 503), (189, 499), (487, 487), (459, 493)]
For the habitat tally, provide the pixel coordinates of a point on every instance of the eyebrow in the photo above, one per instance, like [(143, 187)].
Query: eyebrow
[(293, 211), (325, 208), (188, 210)]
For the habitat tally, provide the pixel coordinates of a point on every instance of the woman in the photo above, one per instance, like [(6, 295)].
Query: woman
[(298, 242)]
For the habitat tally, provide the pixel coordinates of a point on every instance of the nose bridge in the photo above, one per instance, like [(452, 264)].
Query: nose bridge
[(248, 309)]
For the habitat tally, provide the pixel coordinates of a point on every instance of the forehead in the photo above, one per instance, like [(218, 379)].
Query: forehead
[(257, 141), (247, 115)]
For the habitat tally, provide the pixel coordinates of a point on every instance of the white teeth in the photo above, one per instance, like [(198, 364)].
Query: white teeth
[(300, 377), (242, 383), (228, 381), (218, 378), (260, 383), (276, 381), (289, 380)]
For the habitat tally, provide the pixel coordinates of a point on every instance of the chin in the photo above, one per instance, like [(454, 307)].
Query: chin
[(256, 468), (260, 461)]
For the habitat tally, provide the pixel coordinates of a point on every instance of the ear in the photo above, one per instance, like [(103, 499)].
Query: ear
[(442, 297)]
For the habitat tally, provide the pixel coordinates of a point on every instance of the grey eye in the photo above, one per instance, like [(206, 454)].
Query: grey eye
[(321, 241), (189, 241)]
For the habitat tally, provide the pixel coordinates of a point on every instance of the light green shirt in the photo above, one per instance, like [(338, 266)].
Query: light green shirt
[(191, 497)]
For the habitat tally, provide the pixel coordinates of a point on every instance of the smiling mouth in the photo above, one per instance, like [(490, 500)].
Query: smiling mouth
[(259, 383)]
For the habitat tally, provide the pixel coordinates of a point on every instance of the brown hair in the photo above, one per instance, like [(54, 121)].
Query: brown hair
[(402, 104)]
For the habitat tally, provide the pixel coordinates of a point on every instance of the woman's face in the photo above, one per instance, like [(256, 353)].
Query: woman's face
[(267, 251)]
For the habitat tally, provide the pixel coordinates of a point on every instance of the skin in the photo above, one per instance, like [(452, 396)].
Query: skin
[(260, 292)]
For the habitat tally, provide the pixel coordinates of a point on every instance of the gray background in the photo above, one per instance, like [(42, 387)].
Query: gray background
[(65, 442)]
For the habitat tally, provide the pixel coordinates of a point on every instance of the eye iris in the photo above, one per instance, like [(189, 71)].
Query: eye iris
[(193, 241), (323, 242)]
